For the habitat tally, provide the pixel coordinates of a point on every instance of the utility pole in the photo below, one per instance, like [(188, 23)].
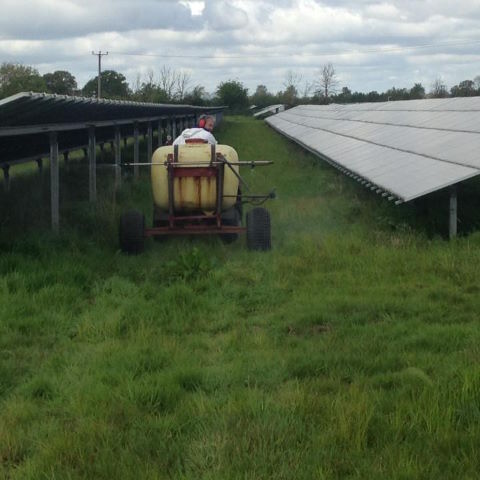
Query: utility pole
[(99, 87)]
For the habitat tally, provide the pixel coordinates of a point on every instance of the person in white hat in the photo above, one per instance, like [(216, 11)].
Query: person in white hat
[(203, 131)]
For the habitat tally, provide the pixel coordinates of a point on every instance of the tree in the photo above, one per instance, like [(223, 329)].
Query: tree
[(262, 97), (232, 94), (148, 90), (289, 96), (417, 91), (438, 89), (327, 81), (307, 89), (396, 94), (114, 85), (291, 84), (168, 81), (373, 96), (292, 79), (182, 80), (464, 89), (60, 82), (476, 81), (345, 96), (196, 97), (15, 78)]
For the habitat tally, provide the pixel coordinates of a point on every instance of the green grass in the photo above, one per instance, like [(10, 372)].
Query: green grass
[(349, 351)]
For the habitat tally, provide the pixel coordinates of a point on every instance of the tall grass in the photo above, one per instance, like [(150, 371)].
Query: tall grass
[(349, 351)]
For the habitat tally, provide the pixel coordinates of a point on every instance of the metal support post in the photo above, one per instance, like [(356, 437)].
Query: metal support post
[(174, 129), (54, 182), (160, 133), (452, 230), (6, 177), (149, 142), (92, 161), (136, 151), (118, 157)]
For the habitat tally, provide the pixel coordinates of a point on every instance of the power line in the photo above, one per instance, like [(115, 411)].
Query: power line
[(319, 54), (99, 81)]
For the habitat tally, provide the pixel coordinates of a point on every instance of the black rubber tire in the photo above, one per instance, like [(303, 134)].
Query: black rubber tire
[(231, 218), (132, 232), (259, 235)]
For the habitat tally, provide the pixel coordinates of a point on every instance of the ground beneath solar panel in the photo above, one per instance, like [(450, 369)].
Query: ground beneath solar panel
[(351, 350)]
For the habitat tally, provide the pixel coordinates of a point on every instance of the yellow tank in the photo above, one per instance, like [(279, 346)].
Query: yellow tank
[(193, 193)]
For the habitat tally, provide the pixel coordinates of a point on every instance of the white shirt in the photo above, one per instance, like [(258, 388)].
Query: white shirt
[(195, 133)]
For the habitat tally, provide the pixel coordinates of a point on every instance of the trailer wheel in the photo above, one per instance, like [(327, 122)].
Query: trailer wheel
[(231, 218), (258, 229), (131, 232)]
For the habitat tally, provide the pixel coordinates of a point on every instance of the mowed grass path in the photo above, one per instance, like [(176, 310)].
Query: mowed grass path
[(349, 351)]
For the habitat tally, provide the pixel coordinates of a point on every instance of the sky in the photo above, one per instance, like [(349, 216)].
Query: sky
[(373, 45)]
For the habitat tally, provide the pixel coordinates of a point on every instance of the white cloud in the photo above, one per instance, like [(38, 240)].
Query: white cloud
[(196, 7), (367, 40), (384, 10), (224, 15)]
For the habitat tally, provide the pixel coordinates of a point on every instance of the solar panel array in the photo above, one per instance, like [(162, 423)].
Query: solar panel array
[(270, 109), (28, 108), (27, 118), (406, 148)]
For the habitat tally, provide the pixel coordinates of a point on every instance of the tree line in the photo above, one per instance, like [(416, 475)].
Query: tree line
[(324, 90), (175, 86)]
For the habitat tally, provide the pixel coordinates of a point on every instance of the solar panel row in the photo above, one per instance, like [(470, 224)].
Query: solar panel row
[(407, 148), (34, 125)]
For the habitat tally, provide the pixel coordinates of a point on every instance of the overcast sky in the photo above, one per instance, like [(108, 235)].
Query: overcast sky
[(373, 45)]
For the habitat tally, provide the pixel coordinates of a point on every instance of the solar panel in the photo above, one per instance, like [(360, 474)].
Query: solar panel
[(270, 109), (406, 148), (27, 118)]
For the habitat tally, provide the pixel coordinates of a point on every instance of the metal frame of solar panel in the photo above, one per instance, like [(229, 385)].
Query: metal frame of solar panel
[(270, 110), (402, 149), (38, 125)]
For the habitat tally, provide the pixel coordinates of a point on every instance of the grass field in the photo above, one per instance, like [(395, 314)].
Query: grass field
[(351, 350)]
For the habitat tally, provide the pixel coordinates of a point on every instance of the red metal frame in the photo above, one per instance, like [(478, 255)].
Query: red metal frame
[(194, 224), (194, 172)]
